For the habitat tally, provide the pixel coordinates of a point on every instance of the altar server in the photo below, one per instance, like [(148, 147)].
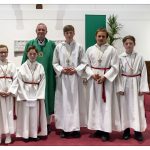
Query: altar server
[(7, 104), (102, 69), (29, 88), (133, 77), (69, 63)]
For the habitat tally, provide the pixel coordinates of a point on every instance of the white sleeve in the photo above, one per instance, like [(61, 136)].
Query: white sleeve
[(113, 71), (88, 69), (41, 89), (57, 67), (82, 62), (143, 82)]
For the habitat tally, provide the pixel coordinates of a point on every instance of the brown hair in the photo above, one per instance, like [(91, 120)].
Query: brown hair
[(2, 46), (32, 47), (130, 37), (102, 30), (68, 28)]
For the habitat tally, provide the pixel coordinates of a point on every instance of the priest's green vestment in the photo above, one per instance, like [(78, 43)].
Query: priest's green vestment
[(45, 57)]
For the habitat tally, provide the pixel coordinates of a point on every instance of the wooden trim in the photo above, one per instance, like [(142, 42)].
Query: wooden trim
[(39, 6), (148, 71)]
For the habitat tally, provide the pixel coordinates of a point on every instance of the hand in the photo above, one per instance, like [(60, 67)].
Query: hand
[(121, 93), (8, 93), (101, 80), (69, 70), (3, 94), (96, 77), (141, 93), (72, 71), (65, 70)]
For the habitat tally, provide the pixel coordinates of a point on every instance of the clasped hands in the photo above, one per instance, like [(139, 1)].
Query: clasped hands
[(99, 79), (4, 94), (69, 70)]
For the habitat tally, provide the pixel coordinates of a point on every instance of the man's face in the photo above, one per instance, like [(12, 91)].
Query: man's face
[(32, 55), (41, 31), (101, 38), (3, 53), (129, 46), (69, 36)]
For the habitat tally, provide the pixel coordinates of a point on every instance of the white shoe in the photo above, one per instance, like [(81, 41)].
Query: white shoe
[(8, 140)]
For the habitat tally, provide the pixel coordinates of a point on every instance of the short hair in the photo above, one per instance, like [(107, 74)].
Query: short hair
[(41, 24), (68, 28), (130, 37), (32, 47), (102, 30), (2, 46)]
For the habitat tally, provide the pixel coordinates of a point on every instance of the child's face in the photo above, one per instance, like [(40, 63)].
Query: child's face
[(32, 55), (101, 38), (69, 36), (3, 53), (129, 46)]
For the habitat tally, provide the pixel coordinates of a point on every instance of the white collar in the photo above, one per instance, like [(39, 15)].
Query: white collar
[(3, 62), (71, 44), (31, 64), (41, 42), (124, 54), (104, 45)]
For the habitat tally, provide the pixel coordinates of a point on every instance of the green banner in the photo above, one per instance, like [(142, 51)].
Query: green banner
[(92, 23)]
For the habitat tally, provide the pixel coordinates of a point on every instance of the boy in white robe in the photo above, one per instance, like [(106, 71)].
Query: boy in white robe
[(102, 69), (7, 75), (133, 77), (68, 63), (29, 88)]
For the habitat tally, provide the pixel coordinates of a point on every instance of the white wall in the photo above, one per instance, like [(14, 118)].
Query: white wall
[(18, 22)]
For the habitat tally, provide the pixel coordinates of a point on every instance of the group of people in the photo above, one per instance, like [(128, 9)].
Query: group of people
[(49, 83)]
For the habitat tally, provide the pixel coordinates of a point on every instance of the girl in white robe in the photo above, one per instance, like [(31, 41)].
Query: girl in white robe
[(133, 77), (68, 63), (7, 75), (29, 88), (102, 69)]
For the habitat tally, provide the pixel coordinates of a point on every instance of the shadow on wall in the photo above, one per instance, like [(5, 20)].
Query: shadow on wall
[(60, 16), (19, 16)]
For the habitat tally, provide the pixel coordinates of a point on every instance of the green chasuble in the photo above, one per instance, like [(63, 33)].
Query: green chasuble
[(45, 57)]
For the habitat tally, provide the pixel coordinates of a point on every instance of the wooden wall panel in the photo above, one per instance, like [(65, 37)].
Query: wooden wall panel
[(148, 71)]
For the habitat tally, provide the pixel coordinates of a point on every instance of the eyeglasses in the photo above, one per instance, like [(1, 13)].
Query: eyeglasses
[(3, 52)]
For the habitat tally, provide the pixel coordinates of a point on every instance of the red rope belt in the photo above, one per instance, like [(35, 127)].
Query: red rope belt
[(134, 75), (37, 83), (14, 108), (39, 126), (103, 84), (6, 77), (100, 68)]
